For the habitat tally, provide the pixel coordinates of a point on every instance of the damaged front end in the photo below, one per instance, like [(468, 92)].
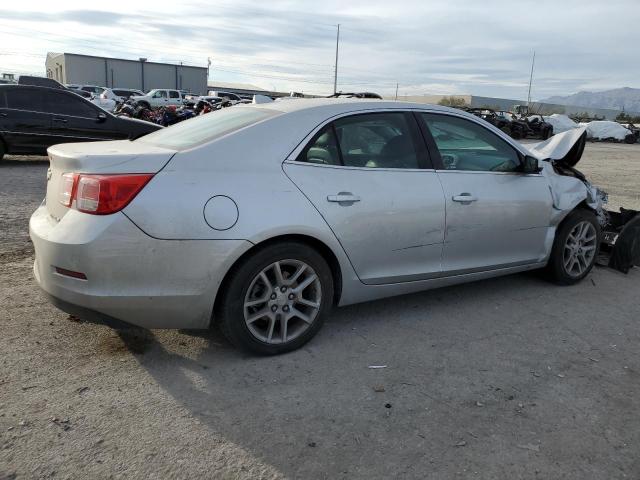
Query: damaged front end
[(620, 244)]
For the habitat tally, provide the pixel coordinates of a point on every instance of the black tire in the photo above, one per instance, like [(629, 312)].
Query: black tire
[(229, 314), (556, 268), (144, 105), (546, 133), (516, 134)]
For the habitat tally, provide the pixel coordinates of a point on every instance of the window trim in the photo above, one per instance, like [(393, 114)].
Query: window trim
[(422, 152), (435, 152)]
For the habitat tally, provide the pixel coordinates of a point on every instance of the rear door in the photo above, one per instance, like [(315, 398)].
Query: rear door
[(174, 98), (75, 119), (25, 123), (369, 176), (497, 217)]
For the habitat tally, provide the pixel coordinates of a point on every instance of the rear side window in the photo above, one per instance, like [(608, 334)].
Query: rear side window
[(173, 94), (375, 140), (205, 128), (68, 104), (25, 99), (323, 150)]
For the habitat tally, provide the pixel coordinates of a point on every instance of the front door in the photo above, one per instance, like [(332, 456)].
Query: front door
[(368, 176), (497, 217), (75, 119)]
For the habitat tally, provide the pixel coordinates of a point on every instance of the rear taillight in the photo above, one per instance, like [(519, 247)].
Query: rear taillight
[(101, 194)]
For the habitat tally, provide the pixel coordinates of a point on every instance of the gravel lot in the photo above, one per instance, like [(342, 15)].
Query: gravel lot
[(506, 378)]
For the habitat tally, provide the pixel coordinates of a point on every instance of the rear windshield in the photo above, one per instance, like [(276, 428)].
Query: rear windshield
[(204, 128)]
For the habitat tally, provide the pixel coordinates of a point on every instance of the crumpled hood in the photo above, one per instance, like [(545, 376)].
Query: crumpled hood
[(560, 153), (566, 147)]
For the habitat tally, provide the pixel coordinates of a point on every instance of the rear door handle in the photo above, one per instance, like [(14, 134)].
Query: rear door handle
[(3, 114), (343, 197), (61, 120), (464, 198)]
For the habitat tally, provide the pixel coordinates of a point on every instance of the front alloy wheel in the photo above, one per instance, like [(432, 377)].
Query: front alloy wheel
[(580, 249), (575, 247)]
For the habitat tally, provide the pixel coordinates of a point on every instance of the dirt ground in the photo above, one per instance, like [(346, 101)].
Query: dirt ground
[(508, 378)]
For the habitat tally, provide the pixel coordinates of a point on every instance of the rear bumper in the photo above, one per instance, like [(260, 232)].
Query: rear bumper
[(130, 277)]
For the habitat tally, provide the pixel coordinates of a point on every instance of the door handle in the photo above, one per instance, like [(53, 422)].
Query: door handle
[(3, 114), (61, 120), (343, 197), (464, 198)]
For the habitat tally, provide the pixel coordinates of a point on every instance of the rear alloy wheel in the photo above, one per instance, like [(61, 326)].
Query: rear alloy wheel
[(276, 299), (575, 248)]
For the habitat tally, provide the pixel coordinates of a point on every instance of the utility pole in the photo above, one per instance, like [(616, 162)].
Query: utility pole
[(396, 91), (533, 62), (335, 72)]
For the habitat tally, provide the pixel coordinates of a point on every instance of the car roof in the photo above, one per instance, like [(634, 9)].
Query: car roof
[(345, 105)]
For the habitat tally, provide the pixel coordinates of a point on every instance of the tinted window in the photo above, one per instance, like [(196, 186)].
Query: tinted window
[(160, 94), (174, 94), (465, 145), (25, 99), (69, 104), (378, 140), (323, 150), (122, 93)]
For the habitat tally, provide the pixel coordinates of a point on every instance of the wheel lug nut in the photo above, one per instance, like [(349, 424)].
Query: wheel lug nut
[(291, 296), (274, 308), (273, 296), (283, 289), (285, 308)]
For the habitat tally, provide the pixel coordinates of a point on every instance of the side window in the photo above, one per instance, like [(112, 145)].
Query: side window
[(69, 104), (174, 94), (25, 99), (160, 94), (464, 145), (322, 150), (377, 140)]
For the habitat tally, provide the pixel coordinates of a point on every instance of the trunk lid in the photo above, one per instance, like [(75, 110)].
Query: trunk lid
[(565, 148), (122, 156)]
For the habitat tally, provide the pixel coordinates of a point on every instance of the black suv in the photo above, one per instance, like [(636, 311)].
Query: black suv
[(34, 118)]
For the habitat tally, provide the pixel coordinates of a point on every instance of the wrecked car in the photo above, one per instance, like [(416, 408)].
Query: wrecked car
[(505, 121), (280, 211)]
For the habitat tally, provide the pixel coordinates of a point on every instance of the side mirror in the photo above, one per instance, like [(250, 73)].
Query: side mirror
[(531, 165), (101, 117)]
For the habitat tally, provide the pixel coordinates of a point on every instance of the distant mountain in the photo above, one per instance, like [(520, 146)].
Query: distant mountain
[(616, 99)]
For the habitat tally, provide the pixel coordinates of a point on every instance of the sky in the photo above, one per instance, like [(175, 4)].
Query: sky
[(426, 47)]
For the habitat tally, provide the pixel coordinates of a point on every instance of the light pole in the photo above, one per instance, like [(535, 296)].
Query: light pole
[(335, 72)]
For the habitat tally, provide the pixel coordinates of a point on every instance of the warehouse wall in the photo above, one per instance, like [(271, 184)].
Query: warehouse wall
[(123, 74), (113, 72)]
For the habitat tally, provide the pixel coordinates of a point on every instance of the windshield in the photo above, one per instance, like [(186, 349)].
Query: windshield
[(205, 128)]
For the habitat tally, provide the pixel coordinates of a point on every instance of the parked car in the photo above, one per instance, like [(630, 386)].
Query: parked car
[(261, 218), (34, 118), (126, 93), (159, 97), (228, 95), (503, 120), (39, 81)]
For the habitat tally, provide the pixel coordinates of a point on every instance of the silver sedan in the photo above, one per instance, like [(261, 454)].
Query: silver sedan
[(260, 219)]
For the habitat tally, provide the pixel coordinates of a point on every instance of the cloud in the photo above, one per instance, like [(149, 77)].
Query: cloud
[(438, 46)]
